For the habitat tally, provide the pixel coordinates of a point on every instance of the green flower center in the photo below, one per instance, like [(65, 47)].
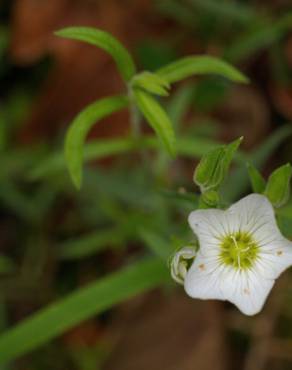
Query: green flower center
[(238, 250)]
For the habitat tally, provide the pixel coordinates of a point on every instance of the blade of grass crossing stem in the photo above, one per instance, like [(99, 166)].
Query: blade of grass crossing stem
[(106, 42), (54, 320), (97, 149), (80, 127)]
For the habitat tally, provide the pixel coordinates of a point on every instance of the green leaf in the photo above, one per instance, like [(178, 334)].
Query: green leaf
[(157, 118), (285, 225), (197, 65), (278, 186), (79, 129), (208, 173), (93, 299), (257, 181), (152, 83), (213, 167), (239, 181), (230, 150), (106, 42)]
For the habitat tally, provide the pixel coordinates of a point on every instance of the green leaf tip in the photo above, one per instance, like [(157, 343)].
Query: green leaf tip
[(157, 118), (278, 186), (200, 65), (257, 181), (105, 41), (79, 129), (214, 166)]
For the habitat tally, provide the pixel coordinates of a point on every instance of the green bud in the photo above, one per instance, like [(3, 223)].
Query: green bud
[(151, 83), (211, 198), (257, 181), (213, 167), (278, 187)]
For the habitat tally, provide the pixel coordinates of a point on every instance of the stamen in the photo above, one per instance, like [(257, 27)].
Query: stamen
[(234, 240), (238, 250)]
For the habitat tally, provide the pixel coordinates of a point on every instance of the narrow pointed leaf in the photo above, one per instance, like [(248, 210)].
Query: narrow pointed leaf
[(105, 41), (198, 65), (278, 186), (157, 118), (79, 129), (257, 181), (93, 299), (230, 150)]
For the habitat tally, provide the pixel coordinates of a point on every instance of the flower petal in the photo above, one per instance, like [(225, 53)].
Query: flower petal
[(254, 214), (247, 290), (202, 279), (209, 278), (274, 258), (209, 226)]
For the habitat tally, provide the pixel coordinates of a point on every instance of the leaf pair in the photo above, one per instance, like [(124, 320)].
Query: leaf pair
[(277, 189), (141, 87)]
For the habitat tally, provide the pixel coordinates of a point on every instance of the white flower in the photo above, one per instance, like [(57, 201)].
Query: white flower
[(241, 254)]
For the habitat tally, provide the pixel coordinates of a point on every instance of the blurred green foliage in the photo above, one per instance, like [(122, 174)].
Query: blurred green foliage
[(132, 209)]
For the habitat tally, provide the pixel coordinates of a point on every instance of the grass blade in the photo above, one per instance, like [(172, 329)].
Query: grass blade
[(81, 305)]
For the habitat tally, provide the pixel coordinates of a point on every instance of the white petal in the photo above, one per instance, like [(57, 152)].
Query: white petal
[(247, 290), (209, 225), (274, 258), (202, 279), (207, 221), (254, 214)]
